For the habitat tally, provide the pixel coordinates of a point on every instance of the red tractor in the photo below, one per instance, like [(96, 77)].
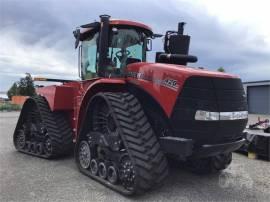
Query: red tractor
[(126, 116)]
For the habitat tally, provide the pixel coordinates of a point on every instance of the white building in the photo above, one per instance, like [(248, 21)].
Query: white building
[(258, 96)]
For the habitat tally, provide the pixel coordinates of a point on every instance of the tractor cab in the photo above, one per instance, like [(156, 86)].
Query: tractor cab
[(108, 46)]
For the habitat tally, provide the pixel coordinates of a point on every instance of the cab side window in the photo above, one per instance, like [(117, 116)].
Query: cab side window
[(89, 57)]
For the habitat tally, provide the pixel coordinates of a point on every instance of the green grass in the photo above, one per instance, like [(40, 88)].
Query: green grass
[(9, 107)]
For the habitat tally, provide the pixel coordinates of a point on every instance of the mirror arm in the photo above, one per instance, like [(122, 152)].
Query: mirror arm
[(157, 36)]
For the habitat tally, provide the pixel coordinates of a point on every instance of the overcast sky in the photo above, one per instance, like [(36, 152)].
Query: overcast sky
[(36, 35)]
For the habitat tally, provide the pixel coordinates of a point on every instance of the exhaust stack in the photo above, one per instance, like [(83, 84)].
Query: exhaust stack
[(103, 42)]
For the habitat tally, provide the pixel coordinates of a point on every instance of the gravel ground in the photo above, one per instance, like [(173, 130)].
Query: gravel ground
[(27, 178)]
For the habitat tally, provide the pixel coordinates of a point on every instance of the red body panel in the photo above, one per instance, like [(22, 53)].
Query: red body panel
[(58, 97), (73, 97), (162, 81)]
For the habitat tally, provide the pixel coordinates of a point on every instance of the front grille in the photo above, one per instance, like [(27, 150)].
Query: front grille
[(209, 94)]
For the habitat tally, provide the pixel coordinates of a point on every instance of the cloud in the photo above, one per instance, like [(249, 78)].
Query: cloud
[(36, 35), (38, 56), (18, 57)]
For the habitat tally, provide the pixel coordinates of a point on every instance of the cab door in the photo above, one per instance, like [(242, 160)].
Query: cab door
[(88, 57)]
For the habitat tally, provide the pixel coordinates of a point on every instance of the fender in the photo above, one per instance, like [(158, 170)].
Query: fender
[(59, 97), (100, 85)]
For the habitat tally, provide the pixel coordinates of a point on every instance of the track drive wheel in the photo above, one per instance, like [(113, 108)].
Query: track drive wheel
[(125, 153)]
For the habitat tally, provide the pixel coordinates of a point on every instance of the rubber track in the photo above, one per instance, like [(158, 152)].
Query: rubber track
[(140, 141), (58, 129)]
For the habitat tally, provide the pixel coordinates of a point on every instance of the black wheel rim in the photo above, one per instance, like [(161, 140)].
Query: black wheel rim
[(127, 173), (84, 155)]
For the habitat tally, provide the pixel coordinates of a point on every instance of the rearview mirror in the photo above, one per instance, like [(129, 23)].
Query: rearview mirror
[(148, 44)]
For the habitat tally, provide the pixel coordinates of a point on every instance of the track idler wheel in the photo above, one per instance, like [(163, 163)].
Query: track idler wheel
[(84, 154)]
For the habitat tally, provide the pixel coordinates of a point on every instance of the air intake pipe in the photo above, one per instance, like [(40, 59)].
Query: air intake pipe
[(176, 47), (179, 59)]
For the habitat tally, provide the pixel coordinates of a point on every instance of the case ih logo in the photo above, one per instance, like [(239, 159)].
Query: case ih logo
[(167, 82)]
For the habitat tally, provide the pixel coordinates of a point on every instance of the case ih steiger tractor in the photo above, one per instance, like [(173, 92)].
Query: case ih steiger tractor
[(127, 116)]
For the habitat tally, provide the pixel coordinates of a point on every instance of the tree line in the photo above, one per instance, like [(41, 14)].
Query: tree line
[(24, 87)]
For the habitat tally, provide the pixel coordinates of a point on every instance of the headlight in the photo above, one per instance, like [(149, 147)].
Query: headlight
[(233, 115), (206, 116), (215, 116)]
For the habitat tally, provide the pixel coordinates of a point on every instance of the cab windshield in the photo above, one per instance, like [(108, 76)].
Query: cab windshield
[(126, 46)]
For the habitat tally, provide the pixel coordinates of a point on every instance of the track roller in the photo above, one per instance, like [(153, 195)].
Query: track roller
[(112, 174), (102, 170), (33, 147), (28, 146), (39, 148), (94, 167)]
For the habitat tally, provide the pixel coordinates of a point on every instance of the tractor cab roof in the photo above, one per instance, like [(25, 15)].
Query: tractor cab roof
[(94, 27), (131, 24)]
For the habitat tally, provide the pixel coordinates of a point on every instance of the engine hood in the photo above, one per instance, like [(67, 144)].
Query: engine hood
[(179, 70), (164, 82)]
